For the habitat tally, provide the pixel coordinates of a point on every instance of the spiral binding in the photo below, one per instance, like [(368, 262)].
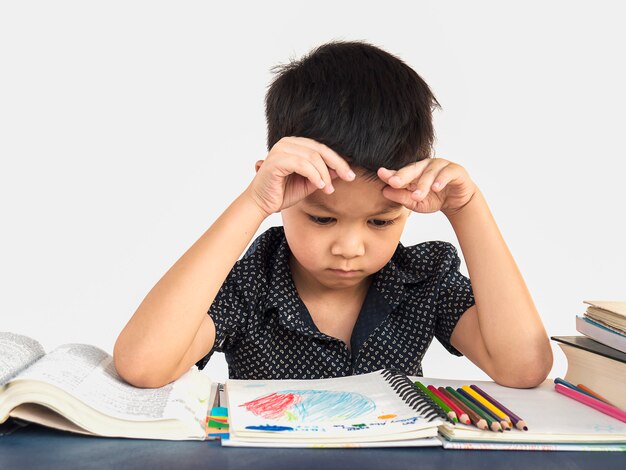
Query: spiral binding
[(413, 396)]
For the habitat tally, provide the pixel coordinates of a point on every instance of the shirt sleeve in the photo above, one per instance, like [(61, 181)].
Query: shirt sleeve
[(228, 312), (454, 298)]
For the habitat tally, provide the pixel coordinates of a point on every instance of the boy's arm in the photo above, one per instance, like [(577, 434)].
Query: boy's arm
[(503, 333), (171, 331)]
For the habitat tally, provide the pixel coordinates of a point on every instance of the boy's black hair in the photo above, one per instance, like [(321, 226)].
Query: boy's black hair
[(364, 103)]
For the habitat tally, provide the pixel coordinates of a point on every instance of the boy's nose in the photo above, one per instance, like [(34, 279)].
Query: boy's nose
[(348, 245)]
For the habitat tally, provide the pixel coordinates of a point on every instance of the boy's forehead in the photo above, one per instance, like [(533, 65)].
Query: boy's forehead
[(360, 196)]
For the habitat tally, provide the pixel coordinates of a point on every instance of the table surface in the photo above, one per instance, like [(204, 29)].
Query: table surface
[(37, 447)]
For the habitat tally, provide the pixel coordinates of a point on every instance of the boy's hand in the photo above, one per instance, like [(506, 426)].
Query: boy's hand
[(429, 185), (294, 168)]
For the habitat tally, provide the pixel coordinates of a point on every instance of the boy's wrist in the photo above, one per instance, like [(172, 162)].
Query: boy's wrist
[(248, 197), (476, 202)]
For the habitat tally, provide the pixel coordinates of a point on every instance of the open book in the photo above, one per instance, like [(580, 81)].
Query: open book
[(376, 410), (554, 421), (381, 408), (76, 388)]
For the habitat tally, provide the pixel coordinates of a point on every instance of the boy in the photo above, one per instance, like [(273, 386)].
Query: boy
[(333, 292)]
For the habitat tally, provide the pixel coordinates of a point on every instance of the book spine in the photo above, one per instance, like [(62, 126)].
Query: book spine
[(413, 396), (601, 334)]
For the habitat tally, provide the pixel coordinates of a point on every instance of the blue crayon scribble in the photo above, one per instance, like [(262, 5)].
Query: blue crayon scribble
[(311, 405), (328, 405), (411, 420), (269, 427)]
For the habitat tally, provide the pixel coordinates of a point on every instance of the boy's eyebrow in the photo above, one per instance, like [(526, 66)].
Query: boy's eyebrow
[(392, 207)]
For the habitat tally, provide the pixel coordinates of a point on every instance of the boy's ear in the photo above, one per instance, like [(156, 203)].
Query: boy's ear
[(257, 165)]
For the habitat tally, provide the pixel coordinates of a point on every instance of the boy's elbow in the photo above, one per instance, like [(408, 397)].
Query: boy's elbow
[(528, 373), (134, 372)]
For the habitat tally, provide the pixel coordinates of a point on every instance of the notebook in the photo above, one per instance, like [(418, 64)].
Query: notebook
[(360, 410)]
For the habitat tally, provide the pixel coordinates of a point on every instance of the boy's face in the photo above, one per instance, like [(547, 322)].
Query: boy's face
[(339, 239)]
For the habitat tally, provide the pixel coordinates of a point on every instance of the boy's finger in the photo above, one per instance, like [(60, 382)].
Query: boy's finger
[(332, 158), (318, 162), (413, 172), (444, 177), (314, 158), (305, 168), (426, 180), (406, 174), (384, 174), (401, 196)]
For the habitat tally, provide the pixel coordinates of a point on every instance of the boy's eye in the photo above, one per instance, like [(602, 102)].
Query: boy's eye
[(381, 223), (321, 220)]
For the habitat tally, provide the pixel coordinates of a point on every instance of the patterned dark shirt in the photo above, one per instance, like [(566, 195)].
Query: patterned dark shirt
[(266, 331)]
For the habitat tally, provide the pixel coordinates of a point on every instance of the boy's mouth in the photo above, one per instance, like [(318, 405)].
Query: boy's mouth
[(343, 272)]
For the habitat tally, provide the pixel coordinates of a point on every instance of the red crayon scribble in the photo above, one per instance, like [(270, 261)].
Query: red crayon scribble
[(272, 406)]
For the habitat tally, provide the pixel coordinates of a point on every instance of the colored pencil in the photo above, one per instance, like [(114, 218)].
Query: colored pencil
[(565, 383), (516, 420), (477, 418), (592, 402), (580, 389), (492, 420), (486, 411), (505, 422), (474, 418), (461, 413), (457, 411), (449, 411), (599, 397)]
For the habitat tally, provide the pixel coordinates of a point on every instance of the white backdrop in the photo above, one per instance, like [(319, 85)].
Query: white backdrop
[(127, 127)]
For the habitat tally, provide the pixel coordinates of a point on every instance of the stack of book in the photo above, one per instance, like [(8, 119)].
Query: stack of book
[(597, 360), (604, 322)]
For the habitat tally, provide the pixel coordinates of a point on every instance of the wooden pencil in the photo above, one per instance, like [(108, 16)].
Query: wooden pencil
[(460, 412), (599, 397), (493, 424), (457, 411), (517, 421), (474, 417), (592, 402), (497, 411), (486, 411)]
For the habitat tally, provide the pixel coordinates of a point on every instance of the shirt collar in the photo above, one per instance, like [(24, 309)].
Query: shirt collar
[(283, 296), (292, 314), (391, 279)]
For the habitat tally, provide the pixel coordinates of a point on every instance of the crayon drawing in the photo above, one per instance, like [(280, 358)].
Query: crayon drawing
[(310, 405)]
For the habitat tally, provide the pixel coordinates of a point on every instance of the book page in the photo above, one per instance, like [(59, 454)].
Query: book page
[(353, 407), (550, 416), (42, 415), (16, 353), (88, 373), (616, 307)]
